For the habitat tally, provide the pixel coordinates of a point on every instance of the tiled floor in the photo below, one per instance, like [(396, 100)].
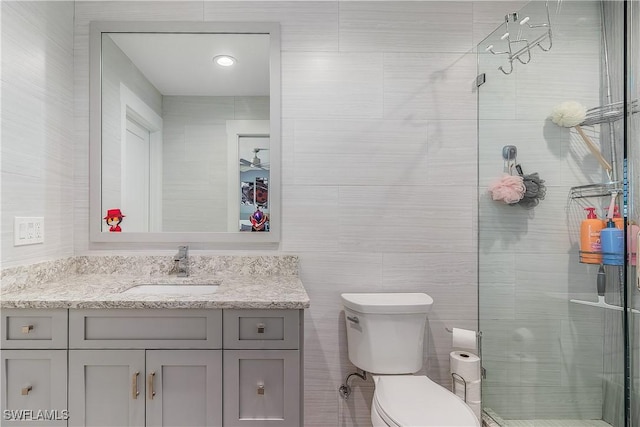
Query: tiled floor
[(491, 422), (549, 423), (555, 423)]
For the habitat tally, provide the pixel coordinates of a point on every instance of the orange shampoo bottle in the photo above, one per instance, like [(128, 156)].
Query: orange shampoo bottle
[(590, 248)]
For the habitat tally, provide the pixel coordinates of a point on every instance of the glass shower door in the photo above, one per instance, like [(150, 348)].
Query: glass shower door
[(546, 357), (633, 155)]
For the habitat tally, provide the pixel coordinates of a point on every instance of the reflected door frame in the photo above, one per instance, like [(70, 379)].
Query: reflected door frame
[(135, 176), (131, 106), (235, 130)]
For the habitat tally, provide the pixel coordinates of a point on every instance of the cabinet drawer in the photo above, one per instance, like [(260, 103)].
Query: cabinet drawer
[(153, 328), (262, 388), (261, 329), (26, 328)]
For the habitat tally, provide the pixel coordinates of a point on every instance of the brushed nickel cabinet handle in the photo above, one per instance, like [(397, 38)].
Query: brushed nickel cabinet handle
[(260, 328), (26, 329), (134, 385), (25, 390), (151, 391), (261, 389)]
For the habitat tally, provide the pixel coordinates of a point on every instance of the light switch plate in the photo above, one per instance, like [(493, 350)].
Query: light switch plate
[(28, 230)]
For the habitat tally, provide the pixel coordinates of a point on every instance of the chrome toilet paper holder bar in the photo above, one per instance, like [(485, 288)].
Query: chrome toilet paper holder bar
[(464, 382)]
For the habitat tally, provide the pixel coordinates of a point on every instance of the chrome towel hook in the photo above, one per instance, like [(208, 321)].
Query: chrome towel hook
[(519, 47)]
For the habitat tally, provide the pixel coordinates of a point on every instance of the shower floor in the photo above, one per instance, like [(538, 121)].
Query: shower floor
[(556, 423), (491, 422)]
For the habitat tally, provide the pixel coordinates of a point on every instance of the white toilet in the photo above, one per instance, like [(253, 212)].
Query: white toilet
[(385, 334)]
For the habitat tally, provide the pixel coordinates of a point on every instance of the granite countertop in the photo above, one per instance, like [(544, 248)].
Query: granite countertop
[(104, 290)]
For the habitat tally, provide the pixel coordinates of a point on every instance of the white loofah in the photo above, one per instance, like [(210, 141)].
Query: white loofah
[(568, 114)]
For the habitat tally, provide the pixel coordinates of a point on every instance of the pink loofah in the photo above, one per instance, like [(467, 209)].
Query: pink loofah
[(508, 189)]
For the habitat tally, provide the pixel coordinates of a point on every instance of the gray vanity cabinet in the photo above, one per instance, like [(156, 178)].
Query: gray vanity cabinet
[(34, 367), (153, 367), (145, 367)]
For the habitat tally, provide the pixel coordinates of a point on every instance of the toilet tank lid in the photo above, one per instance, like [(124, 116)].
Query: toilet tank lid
[(387, 303)]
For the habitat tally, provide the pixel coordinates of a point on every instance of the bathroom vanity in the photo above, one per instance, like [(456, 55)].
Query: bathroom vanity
[(230, 355)]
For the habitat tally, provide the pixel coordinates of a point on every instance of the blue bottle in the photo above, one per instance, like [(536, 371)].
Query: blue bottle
[(612, 240)]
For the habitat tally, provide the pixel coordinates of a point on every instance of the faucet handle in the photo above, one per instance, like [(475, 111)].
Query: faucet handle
[(182, 261), (183, 252)]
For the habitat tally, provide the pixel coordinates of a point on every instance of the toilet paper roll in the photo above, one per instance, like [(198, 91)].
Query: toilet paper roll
[(464, 339), (474, 389), (465, 364)]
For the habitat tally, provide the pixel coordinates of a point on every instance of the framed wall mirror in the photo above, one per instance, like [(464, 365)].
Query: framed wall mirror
[(185, 132)]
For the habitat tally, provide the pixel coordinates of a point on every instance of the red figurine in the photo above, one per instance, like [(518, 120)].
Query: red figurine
[(114, 218)]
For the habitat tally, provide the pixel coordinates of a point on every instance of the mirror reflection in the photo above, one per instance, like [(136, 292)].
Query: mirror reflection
[(254, 183), (185, 132)]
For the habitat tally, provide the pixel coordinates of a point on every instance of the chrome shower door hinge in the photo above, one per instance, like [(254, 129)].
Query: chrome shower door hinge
[(480, 79)]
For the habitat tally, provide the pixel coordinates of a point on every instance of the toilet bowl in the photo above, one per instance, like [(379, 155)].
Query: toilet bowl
[(385, 336), (417, 401)]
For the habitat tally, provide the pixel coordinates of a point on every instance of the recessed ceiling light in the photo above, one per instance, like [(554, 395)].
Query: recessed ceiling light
[(224, 60)]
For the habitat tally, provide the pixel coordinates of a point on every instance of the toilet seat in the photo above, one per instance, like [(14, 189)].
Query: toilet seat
[(415, 400)]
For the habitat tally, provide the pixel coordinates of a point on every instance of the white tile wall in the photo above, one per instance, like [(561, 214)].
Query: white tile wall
[(379, 172), (37, 126), (444, 26), (332, 85), (437, 86)]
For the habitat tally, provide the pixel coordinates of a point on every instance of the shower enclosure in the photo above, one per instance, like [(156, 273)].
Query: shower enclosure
[(553, 348)]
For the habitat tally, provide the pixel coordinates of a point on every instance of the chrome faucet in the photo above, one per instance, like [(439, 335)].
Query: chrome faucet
[(182, 261)]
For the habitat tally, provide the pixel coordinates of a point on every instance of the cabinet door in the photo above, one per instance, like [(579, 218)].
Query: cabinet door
[(34, 387), (106, 388), (261, 388), (184, 388)]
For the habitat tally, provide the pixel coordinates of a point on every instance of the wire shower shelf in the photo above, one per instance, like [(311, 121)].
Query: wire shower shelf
[(609, 113), (595, 190)]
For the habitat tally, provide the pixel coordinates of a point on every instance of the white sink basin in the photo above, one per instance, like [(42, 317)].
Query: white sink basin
[(161, 289)]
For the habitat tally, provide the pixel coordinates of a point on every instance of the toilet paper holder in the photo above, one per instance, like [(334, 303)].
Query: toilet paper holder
[(464, 382), (483, 371)]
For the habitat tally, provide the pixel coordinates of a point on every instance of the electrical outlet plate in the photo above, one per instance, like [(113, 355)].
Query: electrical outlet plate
[(28, 230)]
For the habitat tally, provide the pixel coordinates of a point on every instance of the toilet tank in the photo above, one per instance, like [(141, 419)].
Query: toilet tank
[(385, 331)]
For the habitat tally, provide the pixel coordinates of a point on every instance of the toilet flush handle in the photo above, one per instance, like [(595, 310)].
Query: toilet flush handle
[(353, 319)]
